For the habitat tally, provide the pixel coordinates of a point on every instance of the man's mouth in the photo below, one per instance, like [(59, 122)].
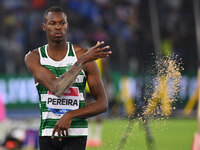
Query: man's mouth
[(58, 34)]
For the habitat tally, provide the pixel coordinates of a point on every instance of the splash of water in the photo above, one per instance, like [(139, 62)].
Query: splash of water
[(166, 86)]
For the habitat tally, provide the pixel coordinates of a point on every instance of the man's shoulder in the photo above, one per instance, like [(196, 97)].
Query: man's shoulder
[(32, 54)]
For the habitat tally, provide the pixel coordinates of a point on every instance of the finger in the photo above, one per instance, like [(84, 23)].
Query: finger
[(59, 135), (102, 42), (109, 52), (54, 131), (63, 133), (104, 48), (98, 44), (66, 131), (105, 54)]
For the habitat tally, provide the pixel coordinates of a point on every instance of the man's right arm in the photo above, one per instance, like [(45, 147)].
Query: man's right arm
[(58, 86)]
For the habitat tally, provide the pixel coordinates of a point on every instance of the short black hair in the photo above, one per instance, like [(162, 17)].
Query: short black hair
[(54, 9)]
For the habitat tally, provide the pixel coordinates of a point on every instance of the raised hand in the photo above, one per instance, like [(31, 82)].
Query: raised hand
[(96, 52)]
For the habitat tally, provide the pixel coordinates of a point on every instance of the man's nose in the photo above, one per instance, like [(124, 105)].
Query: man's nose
[(58, 26)]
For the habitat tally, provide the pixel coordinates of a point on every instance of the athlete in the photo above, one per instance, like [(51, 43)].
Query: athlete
[(60, 70)]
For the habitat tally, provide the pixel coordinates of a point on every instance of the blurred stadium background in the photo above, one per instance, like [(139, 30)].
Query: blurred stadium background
[(136, 30)]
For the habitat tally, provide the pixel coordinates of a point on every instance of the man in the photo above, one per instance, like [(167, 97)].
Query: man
[(60, 70)]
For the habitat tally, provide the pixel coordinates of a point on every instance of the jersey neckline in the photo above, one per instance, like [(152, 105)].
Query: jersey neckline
[(59, 60)]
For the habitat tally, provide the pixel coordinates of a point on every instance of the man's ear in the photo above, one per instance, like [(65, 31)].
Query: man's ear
[(43, 27)]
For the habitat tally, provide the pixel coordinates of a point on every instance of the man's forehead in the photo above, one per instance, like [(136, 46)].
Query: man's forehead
[(55, 16)]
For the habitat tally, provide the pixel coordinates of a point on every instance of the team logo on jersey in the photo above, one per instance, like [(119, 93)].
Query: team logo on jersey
[(69, 101)]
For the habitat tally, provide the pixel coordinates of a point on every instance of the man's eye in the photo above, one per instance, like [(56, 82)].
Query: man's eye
[(52, 23)]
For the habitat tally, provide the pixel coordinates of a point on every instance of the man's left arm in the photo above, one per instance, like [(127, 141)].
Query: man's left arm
[(99, 106)]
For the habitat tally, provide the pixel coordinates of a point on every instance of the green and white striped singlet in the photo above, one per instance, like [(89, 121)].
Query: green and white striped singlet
[(52, 108)]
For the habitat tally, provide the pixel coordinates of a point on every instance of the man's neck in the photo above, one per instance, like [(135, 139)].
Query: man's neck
[(57, 46), (57, 51)]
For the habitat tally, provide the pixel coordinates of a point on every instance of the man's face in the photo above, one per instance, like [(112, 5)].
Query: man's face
[(55, 26)]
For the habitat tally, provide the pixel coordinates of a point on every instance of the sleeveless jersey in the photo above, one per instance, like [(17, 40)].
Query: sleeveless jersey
[(52, 108)]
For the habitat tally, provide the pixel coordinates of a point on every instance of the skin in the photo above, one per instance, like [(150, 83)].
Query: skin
[(56, 26)]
